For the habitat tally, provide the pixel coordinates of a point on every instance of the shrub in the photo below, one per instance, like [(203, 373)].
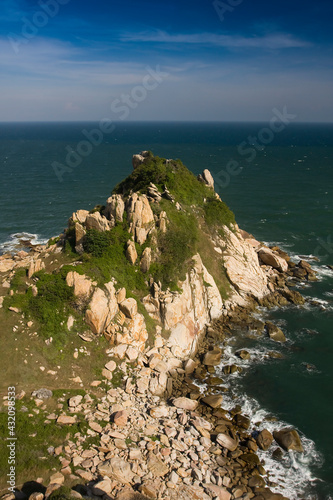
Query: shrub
[(217, 213)]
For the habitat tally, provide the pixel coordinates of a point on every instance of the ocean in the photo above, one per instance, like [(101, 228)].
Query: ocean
[(279, 183)]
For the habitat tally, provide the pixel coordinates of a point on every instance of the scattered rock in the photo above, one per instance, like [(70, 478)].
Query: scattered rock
[(185, 403), (275, 333), (288, 439), (264, 439)]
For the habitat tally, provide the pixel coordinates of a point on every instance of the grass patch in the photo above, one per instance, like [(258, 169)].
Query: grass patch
[(218, 214), (34, 437)]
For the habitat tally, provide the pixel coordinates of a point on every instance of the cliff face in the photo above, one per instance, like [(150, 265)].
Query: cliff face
[(163, 255)]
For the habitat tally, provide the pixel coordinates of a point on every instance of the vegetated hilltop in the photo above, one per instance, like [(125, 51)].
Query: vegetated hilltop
[(164, 253)]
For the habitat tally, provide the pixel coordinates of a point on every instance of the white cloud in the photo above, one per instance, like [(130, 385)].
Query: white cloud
[(269, 41)]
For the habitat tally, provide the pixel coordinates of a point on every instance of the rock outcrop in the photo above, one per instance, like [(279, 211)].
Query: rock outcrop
[(186, 314)]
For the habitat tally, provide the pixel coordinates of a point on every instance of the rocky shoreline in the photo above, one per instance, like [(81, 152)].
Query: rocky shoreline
[(157, 435)]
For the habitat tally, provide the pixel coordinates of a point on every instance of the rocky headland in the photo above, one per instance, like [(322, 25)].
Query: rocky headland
[(161, 273)]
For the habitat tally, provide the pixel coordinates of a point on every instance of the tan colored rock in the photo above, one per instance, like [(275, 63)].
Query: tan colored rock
[(115, 207), (106, 374), (98, 222), (208, 178), (75, 401), (66, 420), (35, 266), (80, 216), (131, 253), (140, 235), (288, 439), (117, 469), (98, 311), (121, 295), (80, 233), (264, 439), (51, 488), (140, 215), (102, 308), (275, 333), (137, 160), (159, 411), (111, 366), (82, 285), (156, 466), (95, 427), (273, 259), (186, 314), (185, 403), (120, 418), (6, 265), (102, 488), (57, 478), (214, 401), (129, 307), (242, 265), (219, 492), (135, 333), (145, 260), (33, 496), (213, 357), (226, 442)]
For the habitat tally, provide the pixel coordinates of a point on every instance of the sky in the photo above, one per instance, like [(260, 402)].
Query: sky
[(177, 60)]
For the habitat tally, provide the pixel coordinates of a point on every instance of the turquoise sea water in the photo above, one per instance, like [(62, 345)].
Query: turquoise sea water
[(282, 193)]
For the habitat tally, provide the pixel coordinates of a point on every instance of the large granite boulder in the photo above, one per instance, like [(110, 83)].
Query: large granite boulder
[(288, 439), (270, 258)]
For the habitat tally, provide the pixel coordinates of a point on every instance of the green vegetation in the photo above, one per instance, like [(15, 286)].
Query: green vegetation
[(34, 437), (182, 183), (62, 493), (106, 258), (176, 247), (217, 214)]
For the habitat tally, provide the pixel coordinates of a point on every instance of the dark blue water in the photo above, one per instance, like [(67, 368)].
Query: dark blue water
[(282, 193)]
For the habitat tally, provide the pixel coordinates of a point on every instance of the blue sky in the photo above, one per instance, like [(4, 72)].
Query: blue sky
[(73, 60)]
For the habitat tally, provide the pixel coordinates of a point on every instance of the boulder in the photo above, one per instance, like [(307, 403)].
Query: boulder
[(214, 400), (102, 488), (98, 222), (145, 260), (80, 233), (116, 469), (129, 307), (80, 216), (219, 492), (288, 439), (115, 208), (213, 357), (208, 178), (275, 333), (35, 266), (270, 258), (226, 442), (138, 159), (120, 418), (131, 253), (97, 313), (82, 285), (242, 266), (66, 420), (264, 439), (102, 308), (185, 403), (121, 295), (42, 394)]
